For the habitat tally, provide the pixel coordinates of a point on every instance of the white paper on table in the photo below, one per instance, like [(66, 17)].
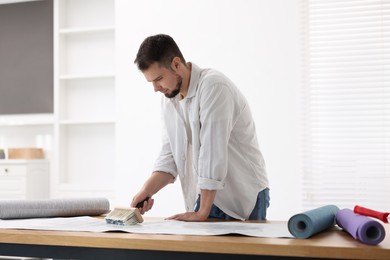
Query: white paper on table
[(171, 227)]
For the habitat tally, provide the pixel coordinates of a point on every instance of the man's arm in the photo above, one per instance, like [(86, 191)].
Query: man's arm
[(206, 202), (156, 182)]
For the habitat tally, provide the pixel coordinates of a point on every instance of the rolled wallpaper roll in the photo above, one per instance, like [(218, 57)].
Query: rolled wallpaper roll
[(306, 224), (384, 216), (360, 227), (12, 209)]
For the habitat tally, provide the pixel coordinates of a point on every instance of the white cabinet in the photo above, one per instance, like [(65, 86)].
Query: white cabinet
[(84, 89), (24, 179)]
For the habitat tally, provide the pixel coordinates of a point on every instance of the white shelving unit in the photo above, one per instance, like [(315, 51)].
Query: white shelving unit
[(84, 87)]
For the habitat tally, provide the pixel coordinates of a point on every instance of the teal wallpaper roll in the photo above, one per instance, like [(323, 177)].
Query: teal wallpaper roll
[(306, 224)]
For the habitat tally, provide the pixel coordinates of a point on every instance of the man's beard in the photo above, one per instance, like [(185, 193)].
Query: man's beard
[(179, 81)]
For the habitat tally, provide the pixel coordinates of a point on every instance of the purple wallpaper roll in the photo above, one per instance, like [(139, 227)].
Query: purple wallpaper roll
[(360, 227)]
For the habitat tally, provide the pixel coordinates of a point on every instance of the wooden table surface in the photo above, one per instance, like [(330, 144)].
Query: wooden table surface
[(332, 243)]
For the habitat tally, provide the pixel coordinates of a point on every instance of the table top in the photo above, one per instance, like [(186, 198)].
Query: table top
[(333, 243)]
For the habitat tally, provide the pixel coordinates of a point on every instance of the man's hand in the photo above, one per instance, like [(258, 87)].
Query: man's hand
[(206, 202), (190, 217), (156, 182), (146, 206)]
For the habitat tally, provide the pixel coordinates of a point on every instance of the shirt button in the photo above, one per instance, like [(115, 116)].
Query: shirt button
[(183, 158)]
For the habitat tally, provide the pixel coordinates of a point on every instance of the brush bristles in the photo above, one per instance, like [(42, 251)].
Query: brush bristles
[(124, 216)]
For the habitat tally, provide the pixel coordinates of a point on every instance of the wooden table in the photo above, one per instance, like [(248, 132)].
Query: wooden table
[(331, 244)]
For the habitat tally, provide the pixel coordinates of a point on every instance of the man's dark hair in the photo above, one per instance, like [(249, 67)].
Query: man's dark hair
[(158, 48)]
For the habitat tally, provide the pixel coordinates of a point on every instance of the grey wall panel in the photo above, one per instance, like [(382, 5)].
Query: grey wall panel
[(26, 57)]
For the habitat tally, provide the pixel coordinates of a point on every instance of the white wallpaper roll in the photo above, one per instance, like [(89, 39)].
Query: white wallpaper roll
[(11, 209)]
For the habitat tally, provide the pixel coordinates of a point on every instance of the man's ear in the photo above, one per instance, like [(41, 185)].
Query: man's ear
[(175, 63)]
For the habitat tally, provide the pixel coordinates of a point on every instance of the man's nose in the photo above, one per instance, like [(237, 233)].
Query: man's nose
[(156, 86)]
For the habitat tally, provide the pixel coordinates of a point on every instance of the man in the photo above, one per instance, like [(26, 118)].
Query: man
[(209, 139)]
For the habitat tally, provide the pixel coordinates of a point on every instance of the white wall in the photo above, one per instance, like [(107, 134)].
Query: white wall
[(256, 43)]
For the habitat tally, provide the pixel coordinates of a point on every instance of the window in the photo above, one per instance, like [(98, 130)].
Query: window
[(346, 139)]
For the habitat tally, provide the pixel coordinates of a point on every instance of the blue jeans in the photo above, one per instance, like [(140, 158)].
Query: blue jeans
[(259, 212)]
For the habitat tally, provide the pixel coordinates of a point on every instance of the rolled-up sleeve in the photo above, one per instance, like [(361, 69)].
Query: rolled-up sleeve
[(210, 184)]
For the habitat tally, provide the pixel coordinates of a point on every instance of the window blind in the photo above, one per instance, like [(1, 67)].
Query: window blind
[(346, 103)]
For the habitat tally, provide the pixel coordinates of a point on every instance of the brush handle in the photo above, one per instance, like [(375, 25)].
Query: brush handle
[(372, 213), (141, 204)]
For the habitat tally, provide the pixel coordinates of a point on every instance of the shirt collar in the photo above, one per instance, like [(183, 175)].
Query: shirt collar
[(194, 80)]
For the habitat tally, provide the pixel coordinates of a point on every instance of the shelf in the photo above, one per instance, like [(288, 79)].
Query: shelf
[(86, 76), (87, 54), (87, 122), (31, 135), (20, 124), (86, 13), (23, 161), (85, 30), (100, 94), (27, 120)]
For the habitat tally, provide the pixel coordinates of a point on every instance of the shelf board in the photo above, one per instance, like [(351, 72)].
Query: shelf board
[(27, 120), (23, 161), (16, 124), (87, 122), (86, 76), (85, 30)]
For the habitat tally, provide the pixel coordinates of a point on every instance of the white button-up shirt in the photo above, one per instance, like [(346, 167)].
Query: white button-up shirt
[(223, 152)]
